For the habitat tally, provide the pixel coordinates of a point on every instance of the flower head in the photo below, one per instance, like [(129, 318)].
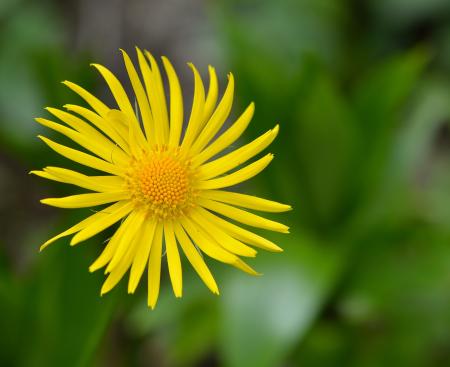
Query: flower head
[(165, 187)]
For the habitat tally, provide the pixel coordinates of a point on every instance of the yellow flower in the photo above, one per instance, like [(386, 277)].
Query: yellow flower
[(166, 188)]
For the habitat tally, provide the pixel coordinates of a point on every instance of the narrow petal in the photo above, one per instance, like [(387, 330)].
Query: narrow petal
[(76, 123), (161, 131), (238, 176), (195, 259), (206, 243), (117, 91), (173, 259), (83, 158), (222, 238), (209, 246), (241, 233), (107, 181), (238, 156), (133, 228), (227, 138), (86, 222), (198, 106), (245, 201), (103, 125), (142, 254), (141, 96), (121, 123), (46, 175), (110, 249), (101, 223), (218, 118), (160, 95), (122, 99), (211, 98), (243, 216), (94, 183), (154, 267), (119, 271), (86, 200), (241, 265), (93, 101), (96, 146), (176, 104), (96, 138)]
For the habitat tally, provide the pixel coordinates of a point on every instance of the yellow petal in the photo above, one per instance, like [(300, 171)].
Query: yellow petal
[(154, 267), (218, 118), (134, 226), (243, 216), (141, 96), (211, 98), (119, 271), (245, 201), (103, 125), (173, 259), (96, 146), (93, 101), (94, 183), (160, 131), (198, 105), (122, 100), (83, 158), (176, 104), (86, 200), (46, 175), (96, 139), (222, 238), (110, 249), (102, 223), (117, 91), (241, 233), (227, 138), (238, 156), (160, 112), (124, 126), (206, 243), (142, 254), (119, 121), (238, 176), (195, 259), (86, 222), (241, 265)]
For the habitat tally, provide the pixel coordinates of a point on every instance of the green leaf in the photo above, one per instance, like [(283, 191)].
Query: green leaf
[(187, 326), (60, 316), (262, 318), (326, 142), (380, 94), (66, 310), (378, 102), (396, 304), (392, 200)]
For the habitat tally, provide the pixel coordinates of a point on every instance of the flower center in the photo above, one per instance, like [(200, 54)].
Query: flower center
[(162, 183)]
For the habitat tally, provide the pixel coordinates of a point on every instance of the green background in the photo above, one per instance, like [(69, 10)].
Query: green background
[(361, 90)]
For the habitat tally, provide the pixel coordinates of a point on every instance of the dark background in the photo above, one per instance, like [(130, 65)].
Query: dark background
[(361, 90)]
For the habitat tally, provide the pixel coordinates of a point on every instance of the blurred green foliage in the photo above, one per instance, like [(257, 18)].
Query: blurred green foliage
[(361, 90)]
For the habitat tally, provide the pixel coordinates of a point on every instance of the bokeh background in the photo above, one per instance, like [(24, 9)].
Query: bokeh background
[(361, 89)]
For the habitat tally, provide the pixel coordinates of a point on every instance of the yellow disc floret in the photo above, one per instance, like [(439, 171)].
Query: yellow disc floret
[(161, 182)]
